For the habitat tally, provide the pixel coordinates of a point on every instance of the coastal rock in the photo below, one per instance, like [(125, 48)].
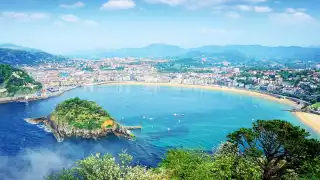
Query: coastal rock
[(62, 132)]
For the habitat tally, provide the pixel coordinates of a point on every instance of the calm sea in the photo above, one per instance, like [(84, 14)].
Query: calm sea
[(171, 117)]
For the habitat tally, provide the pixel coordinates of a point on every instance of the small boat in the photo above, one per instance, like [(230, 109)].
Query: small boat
[(175, 114)]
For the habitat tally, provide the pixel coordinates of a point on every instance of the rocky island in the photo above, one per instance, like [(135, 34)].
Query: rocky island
[(82, 118)]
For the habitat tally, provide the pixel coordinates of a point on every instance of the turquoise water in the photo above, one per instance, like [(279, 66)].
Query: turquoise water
[(171, 117)]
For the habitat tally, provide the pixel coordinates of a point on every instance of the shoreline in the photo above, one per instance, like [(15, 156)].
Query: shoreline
[(32, 97), (309, 119)]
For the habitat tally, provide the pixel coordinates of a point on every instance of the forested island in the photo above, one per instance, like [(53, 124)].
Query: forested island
[(82, 118), (15, 81)]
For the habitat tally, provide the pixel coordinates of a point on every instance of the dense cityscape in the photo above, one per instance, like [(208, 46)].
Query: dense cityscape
[(302, 84)]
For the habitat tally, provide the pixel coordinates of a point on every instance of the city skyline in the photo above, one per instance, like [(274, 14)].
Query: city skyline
[(62, 26)]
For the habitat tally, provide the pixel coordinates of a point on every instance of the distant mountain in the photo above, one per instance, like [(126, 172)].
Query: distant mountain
[(16, 47), (153, 50), (256, 51), (18, 57), (230, 52)]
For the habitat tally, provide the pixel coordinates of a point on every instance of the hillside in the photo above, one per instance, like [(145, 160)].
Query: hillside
[(17, 57), (81, 114), (82, 118), (16, 81), (231, 52), (16, 47)]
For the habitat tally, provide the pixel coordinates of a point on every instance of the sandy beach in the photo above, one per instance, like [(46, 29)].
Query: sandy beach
[(311, 120)]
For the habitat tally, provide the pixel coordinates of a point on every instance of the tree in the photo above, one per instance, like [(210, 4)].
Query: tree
[(188, 164), (225, 163), (96, 167), (276, 146)]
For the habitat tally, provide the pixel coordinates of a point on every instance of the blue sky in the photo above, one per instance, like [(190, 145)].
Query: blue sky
[(61, 26)]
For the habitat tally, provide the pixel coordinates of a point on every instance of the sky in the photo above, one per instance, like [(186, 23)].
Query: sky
[(62, 26)]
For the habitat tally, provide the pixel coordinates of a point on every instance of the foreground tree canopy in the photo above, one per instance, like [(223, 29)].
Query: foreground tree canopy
[(269, 150), (81, 114)]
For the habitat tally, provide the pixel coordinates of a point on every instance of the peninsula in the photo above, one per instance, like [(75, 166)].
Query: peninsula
[(82, 118)]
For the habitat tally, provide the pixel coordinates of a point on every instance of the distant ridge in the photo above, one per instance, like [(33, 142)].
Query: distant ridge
[(16, 47), (228, 51), (19, 56)]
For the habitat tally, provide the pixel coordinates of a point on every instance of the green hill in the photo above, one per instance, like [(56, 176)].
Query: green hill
[(81, 114), (15, 81)]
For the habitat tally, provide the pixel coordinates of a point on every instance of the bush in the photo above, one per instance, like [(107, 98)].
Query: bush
[(96, 167)]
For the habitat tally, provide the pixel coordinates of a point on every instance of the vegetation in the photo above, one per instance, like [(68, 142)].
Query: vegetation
[(16, 81), (315, 106), (26, 56), (276, 146), (81, 114), (269, 150), (105, 167), (109, 68)]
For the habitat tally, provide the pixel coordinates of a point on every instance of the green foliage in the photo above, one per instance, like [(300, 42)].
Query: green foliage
[(96, 167), (277, 146), (184, 164), (269, 150), (228, 164), (17, 81), (109, 68), (198, 165), (80, 114), (315, 106)]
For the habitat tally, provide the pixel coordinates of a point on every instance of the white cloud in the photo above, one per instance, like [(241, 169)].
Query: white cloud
[(25, 17), (118, 5), (196, 4), (168, 2), (258, 9), (262, 9), (254, 1), (233, 15), (39, 16), (69, 18), (14, 15), (292, 10), (292, 16), (76, 5), (90, 22), (243, 7)]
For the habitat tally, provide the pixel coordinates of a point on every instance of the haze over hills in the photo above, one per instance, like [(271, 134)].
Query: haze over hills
[(238, 52), (16, 55), (16, 47), (13, 54)]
